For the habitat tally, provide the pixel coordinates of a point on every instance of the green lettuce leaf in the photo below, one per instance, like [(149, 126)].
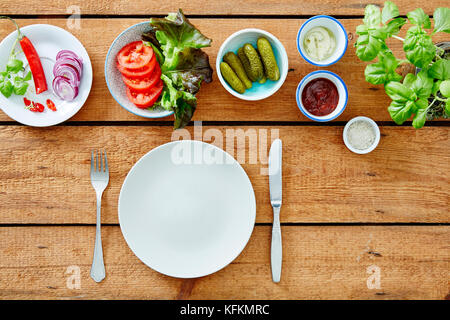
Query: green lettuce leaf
[(176, 34), (181, 102), (193, 68), (185, 65)]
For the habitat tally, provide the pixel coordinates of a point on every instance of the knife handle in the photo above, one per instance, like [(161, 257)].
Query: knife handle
[(276, 249)]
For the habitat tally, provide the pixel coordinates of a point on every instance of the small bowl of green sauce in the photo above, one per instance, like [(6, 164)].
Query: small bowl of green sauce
[(322, 40)]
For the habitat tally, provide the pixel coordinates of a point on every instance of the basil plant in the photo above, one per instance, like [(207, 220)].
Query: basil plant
[(423, 94)]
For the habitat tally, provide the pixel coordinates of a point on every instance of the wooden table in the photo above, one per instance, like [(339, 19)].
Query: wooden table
[(343, 215)]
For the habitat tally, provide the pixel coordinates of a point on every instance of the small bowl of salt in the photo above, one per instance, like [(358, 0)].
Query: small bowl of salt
[(361, 135)]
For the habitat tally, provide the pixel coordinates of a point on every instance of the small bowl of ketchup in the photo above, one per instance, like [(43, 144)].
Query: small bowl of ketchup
[(322, 96)]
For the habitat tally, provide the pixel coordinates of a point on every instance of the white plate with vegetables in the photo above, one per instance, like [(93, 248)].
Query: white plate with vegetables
[(45, 75), (154, 69)]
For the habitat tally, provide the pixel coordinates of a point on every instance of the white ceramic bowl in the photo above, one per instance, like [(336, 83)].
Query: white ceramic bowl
[(342, 91), (258, 91), (375, 128), (334, 26), (113, 77)]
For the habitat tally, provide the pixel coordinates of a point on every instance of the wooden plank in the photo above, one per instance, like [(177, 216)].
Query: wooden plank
[(318, 263), (216, 104), (213, 7), (44, 177)]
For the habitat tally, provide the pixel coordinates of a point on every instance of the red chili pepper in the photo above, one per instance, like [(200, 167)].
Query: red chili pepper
[(33, 59), (26, 102), (34, 107), (40, 107), (51, 105)]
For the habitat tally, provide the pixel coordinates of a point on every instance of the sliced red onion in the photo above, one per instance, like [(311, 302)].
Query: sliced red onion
[(64, 89), (73, 62), (68, 53), (68, 71)]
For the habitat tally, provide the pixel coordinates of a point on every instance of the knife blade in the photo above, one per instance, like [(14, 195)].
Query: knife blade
[(275, 186)]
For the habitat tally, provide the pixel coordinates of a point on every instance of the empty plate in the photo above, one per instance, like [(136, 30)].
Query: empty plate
[(187, 209)]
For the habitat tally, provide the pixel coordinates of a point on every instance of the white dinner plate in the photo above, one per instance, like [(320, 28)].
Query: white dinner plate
[(184, 214), (48, 41)]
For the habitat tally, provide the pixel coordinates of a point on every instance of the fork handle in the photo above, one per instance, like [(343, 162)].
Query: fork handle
[(98, 266), (276, 253)]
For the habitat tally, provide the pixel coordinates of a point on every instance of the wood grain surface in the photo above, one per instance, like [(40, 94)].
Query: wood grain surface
[(319, 262), (211, 7), (343, 214), (214, 102), (44, 177)]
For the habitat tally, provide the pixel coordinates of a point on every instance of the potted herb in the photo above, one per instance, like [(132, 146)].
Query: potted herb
[(423, 94)]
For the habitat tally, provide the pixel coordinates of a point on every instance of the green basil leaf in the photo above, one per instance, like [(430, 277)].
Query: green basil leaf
[(440, 69), (421, 103), (441, 18), (20, 86), (447, 107), (419, 47), (423, 85), (409, 80), (6, 88), (390, 10), (444, 88), (362, 29), (399, 92), (394, 26), (375, 73), (420, 118), (372, 16), (400, 112), (420, 18), (394, 76), (368, 46), (14, 65), (436, 85), (27, 77), (382, 71)]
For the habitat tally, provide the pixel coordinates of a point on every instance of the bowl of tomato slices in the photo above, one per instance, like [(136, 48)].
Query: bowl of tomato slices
[(133, 74)]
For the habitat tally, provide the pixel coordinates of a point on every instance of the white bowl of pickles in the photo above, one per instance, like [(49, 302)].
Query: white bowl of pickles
[(252, 64)]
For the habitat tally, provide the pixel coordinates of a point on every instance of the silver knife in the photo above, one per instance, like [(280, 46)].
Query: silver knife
[(275, 159)]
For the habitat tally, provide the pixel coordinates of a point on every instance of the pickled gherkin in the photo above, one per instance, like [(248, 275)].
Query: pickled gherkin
[(246, 64), (231, 77), (235, 63), (270, 63), (256, 66)]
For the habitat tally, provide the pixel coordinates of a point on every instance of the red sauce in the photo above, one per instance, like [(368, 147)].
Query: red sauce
[(320, 97)]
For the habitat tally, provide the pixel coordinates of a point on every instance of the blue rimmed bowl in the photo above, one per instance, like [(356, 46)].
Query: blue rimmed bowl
[(341, 88), (258, 91), (113, 77), (339, 32)]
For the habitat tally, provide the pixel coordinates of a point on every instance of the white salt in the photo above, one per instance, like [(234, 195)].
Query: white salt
[(361, 135)]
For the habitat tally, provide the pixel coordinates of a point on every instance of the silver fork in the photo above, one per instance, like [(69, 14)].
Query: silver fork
[(99, 180)]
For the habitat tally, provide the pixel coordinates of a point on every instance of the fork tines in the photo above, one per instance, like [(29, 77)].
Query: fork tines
[(99, 161)]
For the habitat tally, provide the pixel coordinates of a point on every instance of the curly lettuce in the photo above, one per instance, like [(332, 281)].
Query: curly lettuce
[(184, 67)]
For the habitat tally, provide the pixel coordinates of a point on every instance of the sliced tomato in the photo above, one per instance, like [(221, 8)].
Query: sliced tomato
[(143, 85), (135, 55), (141, 73), (146, 99)]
